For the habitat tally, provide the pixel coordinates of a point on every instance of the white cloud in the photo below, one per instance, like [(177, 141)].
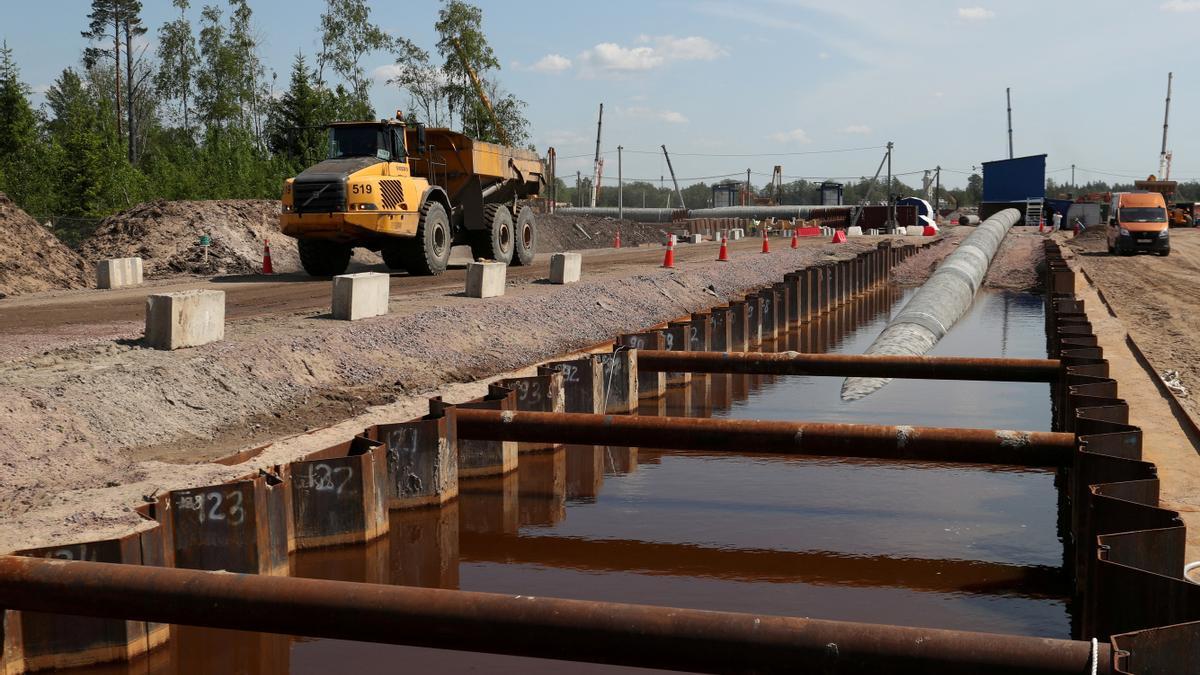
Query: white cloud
[(857, 129), (640, 112), (824, 56), (565, 137), (386, 72), (1180, 6), (551, 63), (975, 13), (793, 136), (652, 52)]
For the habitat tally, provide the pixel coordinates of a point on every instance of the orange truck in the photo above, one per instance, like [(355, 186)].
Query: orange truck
[(1137, 221)]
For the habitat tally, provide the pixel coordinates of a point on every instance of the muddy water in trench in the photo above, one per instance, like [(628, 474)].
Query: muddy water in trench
[(946, 546)]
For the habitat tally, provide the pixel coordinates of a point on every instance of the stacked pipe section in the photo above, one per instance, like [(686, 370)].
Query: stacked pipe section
[(938, 304)]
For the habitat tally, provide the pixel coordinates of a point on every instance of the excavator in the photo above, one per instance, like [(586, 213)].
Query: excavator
[(411, 193)]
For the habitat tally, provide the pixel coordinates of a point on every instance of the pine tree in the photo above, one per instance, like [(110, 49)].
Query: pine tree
[(293, 123), (18, 126)]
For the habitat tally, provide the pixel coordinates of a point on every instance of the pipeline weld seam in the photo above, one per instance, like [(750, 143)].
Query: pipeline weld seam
[(506, 416), (903, 435)]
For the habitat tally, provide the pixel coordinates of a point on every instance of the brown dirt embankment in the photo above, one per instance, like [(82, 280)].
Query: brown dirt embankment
[(32, 259), (166, 236)]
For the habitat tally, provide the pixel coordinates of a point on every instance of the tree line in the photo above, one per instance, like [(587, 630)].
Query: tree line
[(200, 117)]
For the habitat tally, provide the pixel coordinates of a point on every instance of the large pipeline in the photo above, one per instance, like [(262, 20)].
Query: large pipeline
[(652, 215), (521, 625), (934, 308)]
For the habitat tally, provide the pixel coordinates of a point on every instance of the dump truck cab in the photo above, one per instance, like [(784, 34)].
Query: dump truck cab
[(1137, 221), (410, 194)]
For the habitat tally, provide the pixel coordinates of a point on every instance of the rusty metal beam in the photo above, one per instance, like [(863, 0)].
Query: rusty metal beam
[(851, 365), (598, 632), (972, 446)]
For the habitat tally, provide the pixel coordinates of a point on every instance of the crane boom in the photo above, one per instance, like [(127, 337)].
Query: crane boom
[(1164, 156), (598, 164), (487, 103)]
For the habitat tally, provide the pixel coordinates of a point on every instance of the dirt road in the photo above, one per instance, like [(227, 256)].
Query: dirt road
[(1156, 299), (68, 313)]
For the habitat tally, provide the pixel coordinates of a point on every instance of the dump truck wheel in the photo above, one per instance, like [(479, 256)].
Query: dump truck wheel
[(495, 242), (323, 258), (525, 241), (429, 253), (393, 255)]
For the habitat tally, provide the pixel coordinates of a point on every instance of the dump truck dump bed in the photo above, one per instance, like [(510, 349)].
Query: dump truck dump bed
[(457, 158)]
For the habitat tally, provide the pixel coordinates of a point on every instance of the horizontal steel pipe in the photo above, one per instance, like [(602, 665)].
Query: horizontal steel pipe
[(846, 365), (577, 630), (972, 446)]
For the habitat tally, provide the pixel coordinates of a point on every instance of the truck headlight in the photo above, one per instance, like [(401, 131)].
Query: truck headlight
[(287, 208), (1123, 232), (1164, 234)]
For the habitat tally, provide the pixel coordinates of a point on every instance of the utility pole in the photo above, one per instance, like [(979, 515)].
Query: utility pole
[(1072, 176), (671, 170), (620, 187), (598, 164), (579, 187), (1008, 95), (937, 193), (552, 161), (747, 188), (891, 202)]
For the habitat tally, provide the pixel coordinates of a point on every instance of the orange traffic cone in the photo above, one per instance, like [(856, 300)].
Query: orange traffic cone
[(766, 242), (795, 239), (723, 254), (669, 260), (839, 237), (617, 243), (266, 266)]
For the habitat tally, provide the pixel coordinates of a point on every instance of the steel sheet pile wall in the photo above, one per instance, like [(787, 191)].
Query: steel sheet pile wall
[(1126, 554)]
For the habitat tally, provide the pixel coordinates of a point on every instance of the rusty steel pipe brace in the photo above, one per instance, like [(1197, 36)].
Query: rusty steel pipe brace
[(575, 630), (851, 365), (973, 446)]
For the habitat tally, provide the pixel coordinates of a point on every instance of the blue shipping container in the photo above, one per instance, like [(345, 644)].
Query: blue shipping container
[(1014, 180)]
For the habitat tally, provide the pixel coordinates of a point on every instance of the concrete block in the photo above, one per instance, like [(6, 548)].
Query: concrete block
[(361, 295), (565, 268), (735, 234), (184, 319), (485, 279), (855, 231), (914, 231), (118, 272), (695, 238)]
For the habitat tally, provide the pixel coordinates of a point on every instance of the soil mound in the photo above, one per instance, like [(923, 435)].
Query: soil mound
[(564, 231), (166, 236), (32, 259)]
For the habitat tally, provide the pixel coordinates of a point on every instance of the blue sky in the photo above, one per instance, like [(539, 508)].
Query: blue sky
[(714, 78)]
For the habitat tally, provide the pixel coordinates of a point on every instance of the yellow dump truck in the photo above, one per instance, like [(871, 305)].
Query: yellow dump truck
[(410, 193)]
